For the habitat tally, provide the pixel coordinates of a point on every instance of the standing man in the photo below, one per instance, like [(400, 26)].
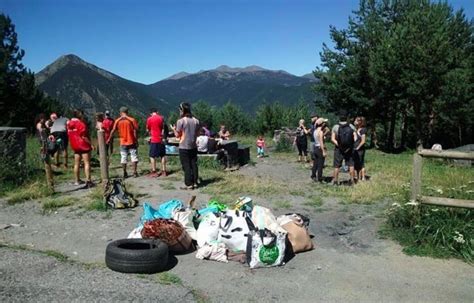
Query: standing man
[(343, 136), (107, 126), (187, 129), (155, 127), (59, 132), (128, 133)]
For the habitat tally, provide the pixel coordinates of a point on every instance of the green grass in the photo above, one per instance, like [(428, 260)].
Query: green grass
[(167, 185), (315, 201), (55, 254), (95, 200), (168, 278), (282, 204), (31, 191), (432, 231), (54, 203)]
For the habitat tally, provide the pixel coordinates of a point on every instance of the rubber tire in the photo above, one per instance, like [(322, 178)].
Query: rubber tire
[(145, 256)]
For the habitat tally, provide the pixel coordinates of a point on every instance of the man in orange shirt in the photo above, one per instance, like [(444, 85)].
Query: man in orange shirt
[(128, 133)]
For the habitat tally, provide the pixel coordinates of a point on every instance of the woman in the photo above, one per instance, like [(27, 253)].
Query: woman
[(320, 151), (301, 141), (81, 145), (187, 130), (224, 133), (42, 133), (359, 147)]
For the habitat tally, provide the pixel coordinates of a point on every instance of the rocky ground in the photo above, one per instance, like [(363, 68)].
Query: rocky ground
[(350, 262)]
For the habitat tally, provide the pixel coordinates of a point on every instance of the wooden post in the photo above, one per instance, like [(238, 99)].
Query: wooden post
[(104, 165), (49, 174), (416, 181)]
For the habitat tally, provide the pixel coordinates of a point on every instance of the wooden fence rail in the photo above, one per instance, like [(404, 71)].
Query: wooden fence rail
[(417, 173)]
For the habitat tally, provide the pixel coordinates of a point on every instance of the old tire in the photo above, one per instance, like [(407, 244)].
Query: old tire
[(146, 256)]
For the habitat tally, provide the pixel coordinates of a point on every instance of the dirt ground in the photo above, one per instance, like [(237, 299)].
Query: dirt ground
[(350, 262)]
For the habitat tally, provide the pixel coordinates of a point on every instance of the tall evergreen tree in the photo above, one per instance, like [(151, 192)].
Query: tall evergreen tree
[(401, 63), (20, 99)]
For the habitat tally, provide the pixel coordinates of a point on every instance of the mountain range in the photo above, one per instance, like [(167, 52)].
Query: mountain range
[(79, 84)]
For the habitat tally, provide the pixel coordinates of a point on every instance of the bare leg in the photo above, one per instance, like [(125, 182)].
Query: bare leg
[(163, 165), (351, 173), (56, 158), (87, 166), (134, 165), (153, 164), (124, 167), (335, 176), (49, 175), (65, 158), (77, 163), (362, 173)]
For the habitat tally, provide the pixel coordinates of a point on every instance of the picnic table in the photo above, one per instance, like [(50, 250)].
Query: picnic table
[(235, 153)]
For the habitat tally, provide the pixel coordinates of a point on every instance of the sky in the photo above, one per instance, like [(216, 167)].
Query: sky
[(147, 41)]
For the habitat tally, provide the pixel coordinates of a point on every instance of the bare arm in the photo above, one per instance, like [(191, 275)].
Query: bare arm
[(333, 138), (362, 142), (321, 140), (112, 133)]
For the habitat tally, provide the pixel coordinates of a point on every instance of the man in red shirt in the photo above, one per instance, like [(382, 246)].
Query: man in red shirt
[(128, 132), (155, 126)]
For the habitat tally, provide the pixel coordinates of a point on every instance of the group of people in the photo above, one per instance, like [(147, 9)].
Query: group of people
[(349, 146), (57, 132)]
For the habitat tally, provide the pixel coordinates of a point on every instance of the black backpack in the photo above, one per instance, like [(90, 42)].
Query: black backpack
[(345, 137), (116, 195)]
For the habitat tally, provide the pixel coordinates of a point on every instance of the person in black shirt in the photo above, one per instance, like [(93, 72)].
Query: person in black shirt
[(301, 141)]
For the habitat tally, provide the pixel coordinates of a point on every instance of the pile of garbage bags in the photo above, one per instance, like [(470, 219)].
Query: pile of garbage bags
[(242, 232)]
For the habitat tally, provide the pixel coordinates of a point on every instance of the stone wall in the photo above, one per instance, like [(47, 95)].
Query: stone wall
[(12, 154)]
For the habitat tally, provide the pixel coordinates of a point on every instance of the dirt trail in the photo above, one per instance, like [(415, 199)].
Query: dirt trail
[(350, 262)]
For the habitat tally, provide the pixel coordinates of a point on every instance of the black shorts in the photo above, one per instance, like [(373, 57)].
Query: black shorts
[(359, 159), (157, 150), (62, 140), (339, 156)]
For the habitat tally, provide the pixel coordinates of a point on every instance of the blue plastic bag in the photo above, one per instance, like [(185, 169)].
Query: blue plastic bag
[(164, 211)]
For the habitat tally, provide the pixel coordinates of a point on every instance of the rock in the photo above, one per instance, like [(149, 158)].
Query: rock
[(13, 153)]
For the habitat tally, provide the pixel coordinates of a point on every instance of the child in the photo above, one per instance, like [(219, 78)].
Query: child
[(260, 147)]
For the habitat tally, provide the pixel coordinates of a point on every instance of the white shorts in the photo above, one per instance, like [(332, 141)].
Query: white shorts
[(128, 149)]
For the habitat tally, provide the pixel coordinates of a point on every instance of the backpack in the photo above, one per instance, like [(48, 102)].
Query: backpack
[(345, 137), (116, 196)]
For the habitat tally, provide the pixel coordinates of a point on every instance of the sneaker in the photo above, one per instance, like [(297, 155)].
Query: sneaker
[(186, 188), (125, 175), (89, 184), (77, 183)]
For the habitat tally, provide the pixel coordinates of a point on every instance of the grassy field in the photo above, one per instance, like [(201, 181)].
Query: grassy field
[(423, 230)]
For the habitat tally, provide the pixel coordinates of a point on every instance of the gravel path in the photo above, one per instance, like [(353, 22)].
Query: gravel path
[(32, 277), (350, 262)]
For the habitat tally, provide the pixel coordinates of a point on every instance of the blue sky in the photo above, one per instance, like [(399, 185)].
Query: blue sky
[(147, 41)]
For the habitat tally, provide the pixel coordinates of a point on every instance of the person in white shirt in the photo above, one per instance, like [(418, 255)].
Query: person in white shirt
[(202, 142)]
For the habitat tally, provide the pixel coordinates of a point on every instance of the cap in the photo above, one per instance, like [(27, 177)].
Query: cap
[(124, 109), (321, 121), (107, 112)]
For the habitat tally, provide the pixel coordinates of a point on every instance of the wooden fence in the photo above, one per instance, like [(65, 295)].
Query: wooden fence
[(417, 171)]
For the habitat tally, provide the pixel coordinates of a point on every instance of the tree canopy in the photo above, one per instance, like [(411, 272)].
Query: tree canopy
[(20, 99), (407, 65)]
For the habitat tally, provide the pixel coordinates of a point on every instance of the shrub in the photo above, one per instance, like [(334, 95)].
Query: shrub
[(284, 145), (430, 230)]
